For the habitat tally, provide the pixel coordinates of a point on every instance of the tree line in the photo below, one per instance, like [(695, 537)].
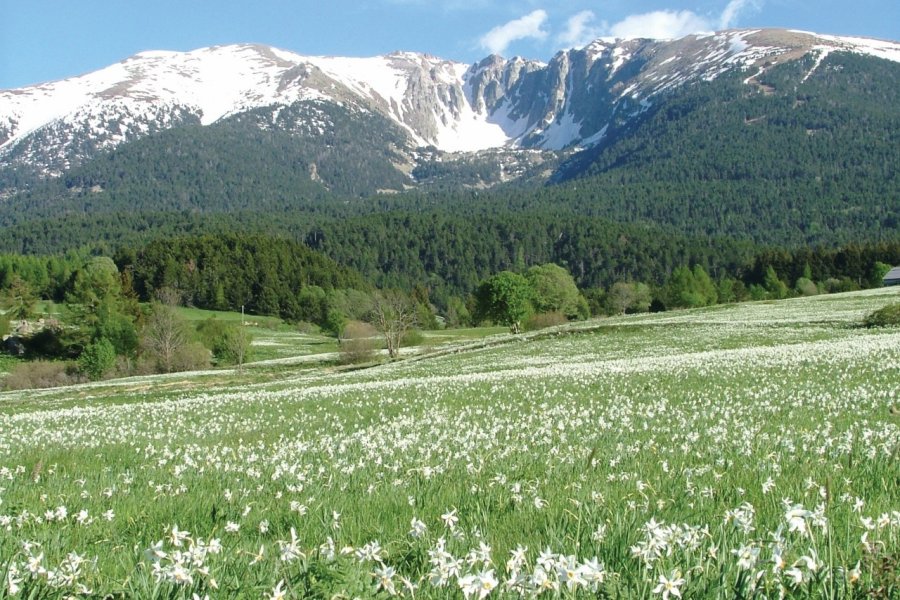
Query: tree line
[(281, 277), (119, 315)]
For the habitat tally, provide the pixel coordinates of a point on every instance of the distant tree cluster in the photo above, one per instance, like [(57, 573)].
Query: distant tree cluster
[(508, 298), (121, 318), (259, 274), (103, 331)]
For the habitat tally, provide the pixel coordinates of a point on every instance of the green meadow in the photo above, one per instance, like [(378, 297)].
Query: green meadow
[(738, 451)]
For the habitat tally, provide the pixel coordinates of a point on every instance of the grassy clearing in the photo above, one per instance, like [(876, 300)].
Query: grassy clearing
[(749, 449), (272, 338), (7, 363)]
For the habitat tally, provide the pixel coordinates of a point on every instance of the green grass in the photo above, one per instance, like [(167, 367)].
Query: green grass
[(747, 450), (199, 314), (272, 338), (7, 363), (462, 334)]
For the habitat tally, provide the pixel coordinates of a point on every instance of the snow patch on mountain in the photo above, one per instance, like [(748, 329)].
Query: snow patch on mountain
[(497, 103), (374, 77), (879, 48)]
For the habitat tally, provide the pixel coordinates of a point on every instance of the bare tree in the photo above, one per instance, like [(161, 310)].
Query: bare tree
[(238, 343), (169, 296), (393, 314), (164, 336)]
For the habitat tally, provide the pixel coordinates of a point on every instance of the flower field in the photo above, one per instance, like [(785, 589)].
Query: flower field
[(732, 452)]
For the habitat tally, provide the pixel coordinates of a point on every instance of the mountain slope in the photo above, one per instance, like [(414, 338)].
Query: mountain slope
[(812, 160), (569, 102), (762, 137)]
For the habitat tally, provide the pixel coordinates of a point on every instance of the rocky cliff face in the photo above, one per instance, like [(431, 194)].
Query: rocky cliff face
[(515, 103)]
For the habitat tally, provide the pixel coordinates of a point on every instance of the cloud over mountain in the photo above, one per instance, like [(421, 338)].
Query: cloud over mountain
[(583, 27), (530, 26)]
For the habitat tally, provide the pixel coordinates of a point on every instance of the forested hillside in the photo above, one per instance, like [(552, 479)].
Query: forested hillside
[(450, 250), (260, 274), (801, 156), (265, 159), (776, 161)]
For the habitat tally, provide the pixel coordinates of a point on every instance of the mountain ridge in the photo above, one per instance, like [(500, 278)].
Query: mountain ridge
[(564, 104)]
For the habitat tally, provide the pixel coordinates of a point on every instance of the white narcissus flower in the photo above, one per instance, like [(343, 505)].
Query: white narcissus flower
[(854, 574), (13, 580), (796, 517), (35, 564), (593, 572), (417, 528), (278, 592), (450, 519), (478, 585), (290, 550), (796, 576), (747, 556), (155, 552), (177, 536), (384, 576), (669, 586), (486, 583), (569, 572), (259, 556)]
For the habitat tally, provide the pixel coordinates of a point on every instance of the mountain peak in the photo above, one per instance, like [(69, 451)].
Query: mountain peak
[(496, 102)]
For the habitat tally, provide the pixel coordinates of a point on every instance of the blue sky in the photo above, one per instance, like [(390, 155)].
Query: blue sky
[(42, 40)]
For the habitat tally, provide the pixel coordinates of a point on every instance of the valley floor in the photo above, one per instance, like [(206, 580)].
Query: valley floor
[(708, 454)]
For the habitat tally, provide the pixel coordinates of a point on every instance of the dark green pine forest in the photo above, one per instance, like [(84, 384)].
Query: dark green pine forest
[(786, 171)]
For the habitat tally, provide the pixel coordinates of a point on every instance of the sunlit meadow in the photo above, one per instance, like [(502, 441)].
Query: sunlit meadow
[(733, 452)]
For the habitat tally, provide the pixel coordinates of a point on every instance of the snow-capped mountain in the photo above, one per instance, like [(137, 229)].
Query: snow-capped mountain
[(569, 102)]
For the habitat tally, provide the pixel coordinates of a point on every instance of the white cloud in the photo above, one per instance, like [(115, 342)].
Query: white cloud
[(730, 14), (579, 30), (583, 27), (673, 24), (530, 26), (660, 24)]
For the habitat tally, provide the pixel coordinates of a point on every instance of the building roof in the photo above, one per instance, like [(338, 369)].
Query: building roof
[(893, 275)]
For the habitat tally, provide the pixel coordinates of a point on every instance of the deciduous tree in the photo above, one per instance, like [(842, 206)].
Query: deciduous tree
[(19, 299), (393, 314), (164, 335), (554, 290), (504, 298)]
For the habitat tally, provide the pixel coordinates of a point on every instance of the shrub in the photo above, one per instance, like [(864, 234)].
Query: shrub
[(192, 356), (544, 320), (358, 343), (41, 374), (237, 346), (308, 328), (412, 337), (836, 286), (98, 359), (806, 287), (889, 316), (125, 367), (49, 342), (229, 342), (211, 334), (629, 297), (121, 333)]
